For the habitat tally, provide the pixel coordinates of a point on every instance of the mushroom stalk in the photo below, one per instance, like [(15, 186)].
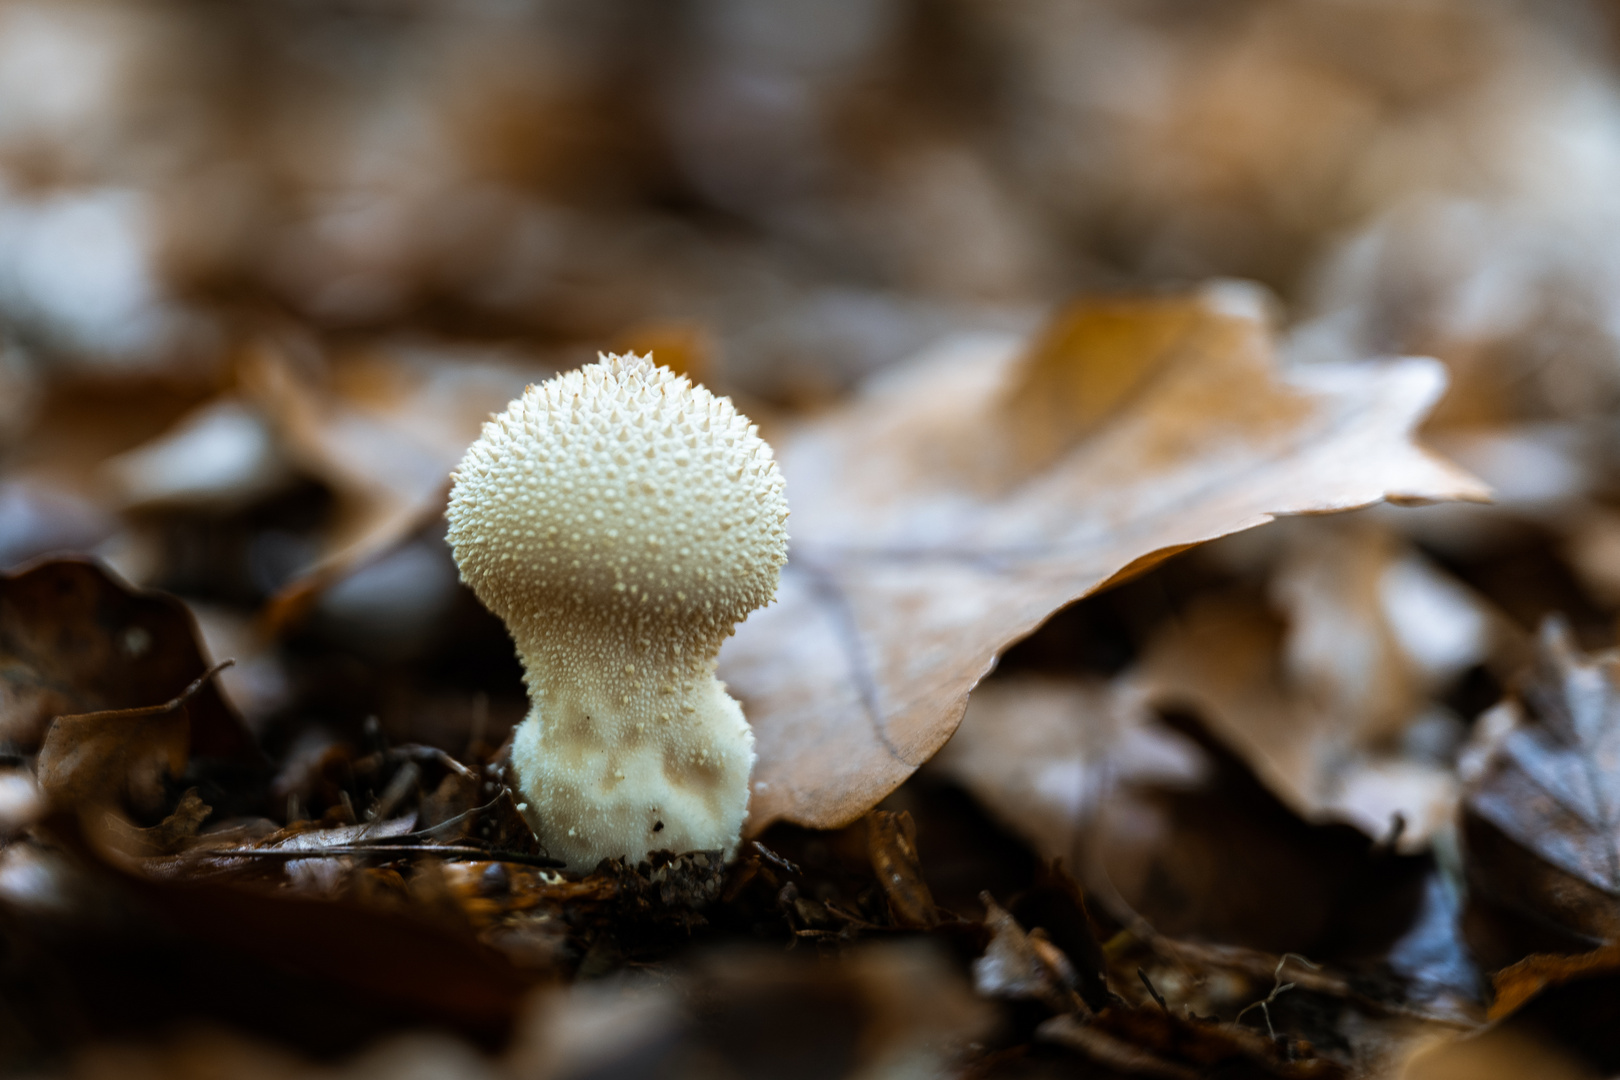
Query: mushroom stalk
[(621, 521)]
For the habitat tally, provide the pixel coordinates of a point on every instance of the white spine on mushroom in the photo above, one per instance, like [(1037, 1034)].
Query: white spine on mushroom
[(621, 521)]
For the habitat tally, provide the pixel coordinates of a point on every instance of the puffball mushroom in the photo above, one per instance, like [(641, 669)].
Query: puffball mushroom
[(621, 521)]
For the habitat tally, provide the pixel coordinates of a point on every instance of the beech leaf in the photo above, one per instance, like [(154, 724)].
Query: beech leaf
[(960, 501), (1542, 812)]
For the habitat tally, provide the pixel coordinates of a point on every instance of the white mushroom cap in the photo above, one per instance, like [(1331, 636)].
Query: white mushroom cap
[(621, 486), (621, 521)]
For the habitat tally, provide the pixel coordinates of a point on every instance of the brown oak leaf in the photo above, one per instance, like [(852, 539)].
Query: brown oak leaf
[(960, 501)]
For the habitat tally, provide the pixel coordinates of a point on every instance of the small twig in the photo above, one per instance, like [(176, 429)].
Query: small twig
[(418, 752), (1152, 992), (472, 854), (1277, 987), (427, 833)]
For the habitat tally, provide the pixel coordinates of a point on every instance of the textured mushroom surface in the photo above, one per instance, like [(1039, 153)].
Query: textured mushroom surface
[(621, 521)]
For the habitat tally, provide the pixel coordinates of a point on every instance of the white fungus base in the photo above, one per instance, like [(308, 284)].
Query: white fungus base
[(684, 787)]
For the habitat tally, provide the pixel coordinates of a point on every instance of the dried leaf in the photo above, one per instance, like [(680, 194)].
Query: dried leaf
[(220, 456), (1559, 1009), (1019, 965), (384, 430), (884, 1009), (1115, 1054), (1224, 660), (1542, 816), (1375, 630), (1161, 821), (168, 836), (102, 758), (410, 965), (1154, 1042), (1492, 1055), (75, 640), (1517, 984), (892, 844), (55, 497), (921, 549), (1042, 754), (498, 824), (686, 348)]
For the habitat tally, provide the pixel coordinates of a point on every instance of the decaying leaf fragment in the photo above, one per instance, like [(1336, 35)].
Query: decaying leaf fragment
[(1552, 1018), (892, 845), (1542, 811), (1046, 756), (1152, 1038), (74, 640), (958, 503), (1326, 692), (1024, 965), (383, 430)]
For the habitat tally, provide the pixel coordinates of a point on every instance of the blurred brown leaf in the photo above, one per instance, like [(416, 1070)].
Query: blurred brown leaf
[(396, 966), (1552, 1017), (922, 547), (1151, 1041), (99, 758), (892, 845), (1320, 704), (1165, 823), (1518, 983), (1492, 1055), (686, 348), (1024, 965), (74, 640), (383, 429), (1542, 814), (172, 833), (1043, 754)]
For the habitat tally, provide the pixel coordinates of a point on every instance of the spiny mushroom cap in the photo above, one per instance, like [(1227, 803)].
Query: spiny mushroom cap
[(620, 490)]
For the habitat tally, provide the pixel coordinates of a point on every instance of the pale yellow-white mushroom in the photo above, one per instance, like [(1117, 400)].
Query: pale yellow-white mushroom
[(622, 521)]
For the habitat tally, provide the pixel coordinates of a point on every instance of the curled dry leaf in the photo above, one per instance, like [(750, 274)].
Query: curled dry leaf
[(383, 430), (1044, 755), (1160, 820), (951, 509), (892, 845), (1517, 984), (1331, 705), (1542, 811), (171, 834), (1018, 964), (100, 758), (75, 640), (1553, 1017)]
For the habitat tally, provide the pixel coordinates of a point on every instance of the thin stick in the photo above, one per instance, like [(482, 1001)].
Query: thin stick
[(471, 854)]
